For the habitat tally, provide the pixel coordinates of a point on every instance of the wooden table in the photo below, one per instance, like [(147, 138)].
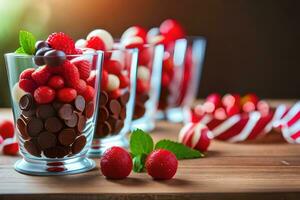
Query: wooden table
[(229, 171)]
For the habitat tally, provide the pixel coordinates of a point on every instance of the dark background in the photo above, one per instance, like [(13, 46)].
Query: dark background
[(253, 45)]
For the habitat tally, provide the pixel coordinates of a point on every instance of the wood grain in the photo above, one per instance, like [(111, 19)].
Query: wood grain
[(229, 171)]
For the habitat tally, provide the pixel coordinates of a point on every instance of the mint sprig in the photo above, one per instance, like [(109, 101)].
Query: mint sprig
[(141, 145), (27, 43)]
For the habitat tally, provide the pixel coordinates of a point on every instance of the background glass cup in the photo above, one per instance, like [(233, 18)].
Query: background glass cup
[(149, 73), (54, 137), (117, 96), (182, 67)]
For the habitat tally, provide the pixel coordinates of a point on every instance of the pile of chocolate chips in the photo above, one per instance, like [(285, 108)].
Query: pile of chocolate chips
[(53, 130), (139, 107), (112, 114), (163, 98)]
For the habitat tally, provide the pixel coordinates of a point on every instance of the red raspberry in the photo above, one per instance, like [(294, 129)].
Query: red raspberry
[(95, 43), (115, 94), (56, 82), (41, 75), (142, 86), (124, 81), (26, 74), (44, 94), (10, 147), (55, 70), (84, 67), (63, 42), (104, 80), (81, 86), (161, 164), (28, 85), (89, 93), (7, 129), (71, 74), (113, 67), (116, 163), (66, 95), (91, 80)]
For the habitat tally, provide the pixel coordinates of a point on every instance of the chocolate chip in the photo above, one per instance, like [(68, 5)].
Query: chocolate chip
[(26, 102), (79, 144), (112, 122), (34, 126), (21, 125), (66, 136), (46, 140), (32, 148), (51, 152), (118, 126), (103, 114), (89, 109), (54, 58), (57, 105), (45, 111), (124, 98), (73, 121), (29, 113), (79, 103), (81, 122), (53, 124), (103, 98), (142, 97), (123, 113), (115, 107), (103, 129), (139, 110), (66, 111), (62, 151)]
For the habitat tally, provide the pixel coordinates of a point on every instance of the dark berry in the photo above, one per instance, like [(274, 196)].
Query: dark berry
[(38, 59), (54, 57), (41, 44)]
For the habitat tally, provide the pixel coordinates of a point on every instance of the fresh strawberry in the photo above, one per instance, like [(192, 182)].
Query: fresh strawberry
[(7, 129), (95, 43), (84, 67), (115, 94), (66, 95), (63, 42), (81, 86), (89, 93), (26, 74), (56, 82), (71, 74), (28, 85), (44, 94), (41, 75)]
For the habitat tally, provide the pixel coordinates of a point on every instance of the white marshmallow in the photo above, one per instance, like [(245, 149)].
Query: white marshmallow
[(143, 73), (132, 40), (113, 82), (130, 32), (17, 93), (81, 43), (104, 36)]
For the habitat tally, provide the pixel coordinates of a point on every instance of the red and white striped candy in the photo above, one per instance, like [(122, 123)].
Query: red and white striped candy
[(10, 147), (104, 35), (134, 31), (196, 136)]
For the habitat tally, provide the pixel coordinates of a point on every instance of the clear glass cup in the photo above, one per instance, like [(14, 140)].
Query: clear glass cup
[(181, 73), (116, 104), (149, 73), (55, 122)]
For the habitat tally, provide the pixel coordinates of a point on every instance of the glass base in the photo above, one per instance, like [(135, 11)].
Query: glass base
[(99, 146), (143, 124), (55, 167), (174, 115)]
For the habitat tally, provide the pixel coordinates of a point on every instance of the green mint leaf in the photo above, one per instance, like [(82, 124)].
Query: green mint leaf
[(27, 42), (139, 162), (20, 50), (180, 150), (140, 143)]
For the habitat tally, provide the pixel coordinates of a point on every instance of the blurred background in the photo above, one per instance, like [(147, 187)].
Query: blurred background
[(253, 45)]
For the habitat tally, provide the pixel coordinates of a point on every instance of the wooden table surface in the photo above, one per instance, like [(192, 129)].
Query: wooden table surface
[(229, 171)]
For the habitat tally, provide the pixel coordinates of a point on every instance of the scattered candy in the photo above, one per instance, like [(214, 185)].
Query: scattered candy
[(10, 147), (6, 129)]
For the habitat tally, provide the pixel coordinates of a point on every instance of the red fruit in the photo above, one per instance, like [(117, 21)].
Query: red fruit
[(84, 67), (113, 67), (104, 80), (134, 31), (142, 86), (145, 56), (10, 147), (165, 80), (95, 43), (91, 79), (63, 42), (44, 94), (89, 93), (116, 163), (115, 94), (26, 74), (124, 81), (28, 85), (66, 95), (6, 129), (56, 82), (41, 75), (71, 74), (171, 29), (81, 87), (161, 164)]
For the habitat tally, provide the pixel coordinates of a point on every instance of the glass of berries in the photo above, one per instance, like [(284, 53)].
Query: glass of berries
[(117, 93), (55, 91)]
